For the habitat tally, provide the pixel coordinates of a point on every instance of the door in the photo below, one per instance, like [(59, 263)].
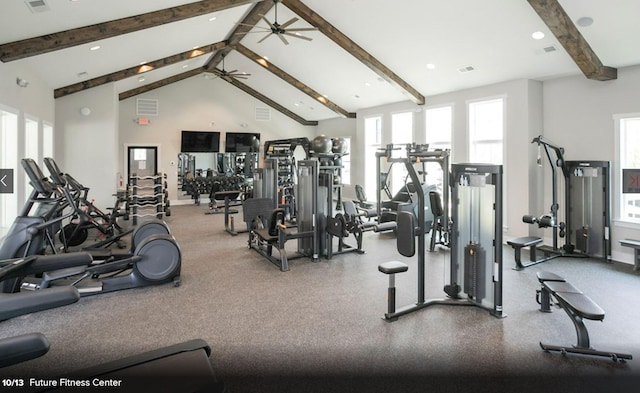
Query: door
[(142, 161)]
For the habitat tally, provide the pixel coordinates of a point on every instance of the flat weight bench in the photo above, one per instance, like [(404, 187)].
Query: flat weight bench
[(635, 244), (578, 306), (527, 241)]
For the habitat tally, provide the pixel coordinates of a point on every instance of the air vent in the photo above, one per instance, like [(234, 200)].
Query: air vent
[(146, 107), (466, 69), (36, 6), (263, 114), (550, 48)]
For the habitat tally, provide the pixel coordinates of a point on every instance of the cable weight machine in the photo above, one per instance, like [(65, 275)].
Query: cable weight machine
[(587, 212)]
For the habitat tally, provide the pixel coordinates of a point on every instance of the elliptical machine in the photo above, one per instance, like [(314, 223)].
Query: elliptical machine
[(155, 257)]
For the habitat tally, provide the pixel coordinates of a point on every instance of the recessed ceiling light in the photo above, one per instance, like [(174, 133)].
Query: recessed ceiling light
[(431, 66), (95, 47), (585, 21), (185, 66), (141, 79), (212, 18), (356, 96), (82, 74), (367, 84), (538, 35)]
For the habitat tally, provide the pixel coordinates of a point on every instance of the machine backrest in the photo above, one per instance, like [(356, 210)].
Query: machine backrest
[(277, 218), (406, 234), (256, 208), (360, 193), (436, 203), (350, 209)]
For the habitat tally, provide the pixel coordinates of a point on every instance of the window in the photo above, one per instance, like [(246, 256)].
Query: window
[(8, 160), (30, 147), (486, 131), (401, 134), (439, 126), (629, 154), (372, 141), (47, 140)]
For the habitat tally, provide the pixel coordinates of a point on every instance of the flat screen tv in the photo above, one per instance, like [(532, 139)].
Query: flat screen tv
[(239, 142), (200, 142)]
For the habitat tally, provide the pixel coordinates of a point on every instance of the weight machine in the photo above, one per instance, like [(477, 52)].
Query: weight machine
[(476, 238), (587, 210), (422, 155)]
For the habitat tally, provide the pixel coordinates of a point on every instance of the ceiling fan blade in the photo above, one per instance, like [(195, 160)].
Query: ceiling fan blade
[(283, 39), (289, 22), (265, 37), (304, 29), (264, 18), (259, 31), (298, 36), (241, 77), (231, 72)]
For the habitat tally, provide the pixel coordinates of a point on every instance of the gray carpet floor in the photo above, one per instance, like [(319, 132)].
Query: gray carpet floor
[(318, 327)]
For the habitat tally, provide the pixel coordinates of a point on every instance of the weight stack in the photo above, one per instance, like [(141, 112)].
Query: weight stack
[(474, 271)]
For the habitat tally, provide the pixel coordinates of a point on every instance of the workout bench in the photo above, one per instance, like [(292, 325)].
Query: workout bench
[(635, 244), (527, 241), (578, 306)]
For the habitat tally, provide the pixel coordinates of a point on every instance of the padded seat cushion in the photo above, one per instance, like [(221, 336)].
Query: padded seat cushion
[(582, 304), (524, 241), (264, 235), (393, 267), (548, 276), (561, 287)]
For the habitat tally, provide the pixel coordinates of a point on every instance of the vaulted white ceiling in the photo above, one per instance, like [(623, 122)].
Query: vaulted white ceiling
[(492, 36)]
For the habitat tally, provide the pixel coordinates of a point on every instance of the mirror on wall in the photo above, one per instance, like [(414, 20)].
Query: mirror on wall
[(200, 158), (208, 165)]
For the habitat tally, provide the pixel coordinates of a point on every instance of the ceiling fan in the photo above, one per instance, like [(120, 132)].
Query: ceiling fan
[(224, 74), (280, 29)]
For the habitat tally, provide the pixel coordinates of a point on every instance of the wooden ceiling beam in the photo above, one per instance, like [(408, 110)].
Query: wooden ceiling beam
[(352, 48), (253, 16), (50, 42), (270, 102), (293, 81), (137, 70), (561, 25), (164, 82)]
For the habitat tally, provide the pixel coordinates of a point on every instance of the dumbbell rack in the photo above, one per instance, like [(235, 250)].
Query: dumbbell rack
[(148, 196)]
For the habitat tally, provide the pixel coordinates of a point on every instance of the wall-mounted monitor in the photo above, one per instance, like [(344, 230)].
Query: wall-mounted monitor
[(242, 142), (200, 142)]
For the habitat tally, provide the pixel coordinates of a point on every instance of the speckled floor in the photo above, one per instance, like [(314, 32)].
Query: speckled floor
[(318, 327)]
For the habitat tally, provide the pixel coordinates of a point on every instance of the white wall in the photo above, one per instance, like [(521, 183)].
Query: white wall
[(578, 115), (199, 104), (89, 144)]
